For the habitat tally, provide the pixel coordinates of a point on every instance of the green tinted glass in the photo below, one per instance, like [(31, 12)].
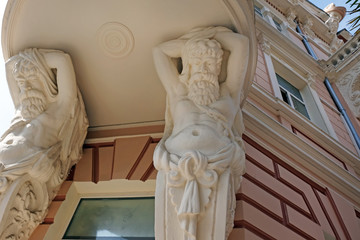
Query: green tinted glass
[(124, 218), (300, 107)]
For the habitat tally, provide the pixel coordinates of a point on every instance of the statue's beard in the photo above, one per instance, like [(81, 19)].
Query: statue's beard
[(33, 103), (203, 88)]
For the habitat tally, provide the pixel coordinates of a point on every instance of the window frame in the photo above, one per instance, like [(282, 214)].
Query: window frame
[(290, 96), (81, 204), (258, 9), (312, 102), (119, 188), (278, 24)]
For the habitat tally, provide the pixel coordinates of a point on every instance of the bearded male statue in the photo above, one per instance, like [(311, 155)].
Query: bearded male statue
[(45, 137), (201, 155)]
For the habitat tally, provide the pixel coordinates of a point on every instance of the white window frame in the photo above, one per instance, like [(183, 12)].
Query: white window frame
[(260, 10), (312, 102), (278, 24), (290, 97), (104, 189), (271, 17)]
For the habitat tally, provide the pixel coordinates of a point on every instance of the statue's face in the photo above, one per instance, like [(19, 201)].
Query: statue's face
[(27, 80), (203, 65), (203, 85), (32, 99)]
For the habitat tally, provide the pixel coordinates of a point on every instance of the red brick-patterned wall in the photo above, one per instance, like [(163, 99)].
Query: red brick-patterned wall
[(275, 201), (125, 158)]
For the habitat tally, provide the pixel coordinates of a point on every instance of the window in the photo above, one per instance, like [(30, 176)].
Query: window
[(277, 25), (113, 218), (258, 10), (292, 96)]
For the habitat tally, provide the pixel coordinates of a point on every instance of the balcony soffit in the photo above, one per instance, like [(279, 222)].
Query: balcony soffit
[(117, 78)]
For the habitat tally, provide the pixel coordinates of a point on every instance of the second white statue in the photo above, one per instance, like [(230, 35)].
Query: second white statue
[(200, 158)]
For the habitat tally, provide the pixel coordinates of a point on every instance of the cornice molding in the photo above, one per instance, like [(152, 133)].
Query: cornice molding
[(311, 162), (343, 60), (302, 9), (279, 107), (283, 46)]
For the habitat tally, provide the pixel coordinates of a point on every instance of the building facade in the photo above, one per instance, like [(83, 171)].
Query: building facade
[(301, 116)]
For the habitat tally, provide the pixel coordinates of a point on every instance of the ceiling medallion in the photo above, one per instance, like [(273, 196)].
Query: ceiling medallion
[(115, 39)]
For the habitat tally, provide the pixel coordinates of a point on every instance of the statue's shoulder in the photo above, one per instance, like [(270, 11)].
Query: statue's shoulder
[(224, 89), (180, 89)]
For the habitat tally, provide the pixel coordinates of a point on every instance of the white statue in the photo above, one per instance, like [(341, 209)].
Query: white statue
[(202, 137), (45, 137), (336, 14)]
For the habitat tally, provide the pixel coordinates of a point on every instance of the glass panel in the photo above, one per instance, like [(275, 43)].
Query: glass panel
[(258, 10), (300, 107), (113, 218), (285, 96), (278, 26), (289, 87)]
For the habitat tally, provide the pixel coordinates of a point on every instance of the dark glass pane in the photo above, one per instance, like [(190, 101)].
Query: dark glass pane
[(278, 25), (300, 107), (289, 87), (285, 96), (113, 218), (258, 10)]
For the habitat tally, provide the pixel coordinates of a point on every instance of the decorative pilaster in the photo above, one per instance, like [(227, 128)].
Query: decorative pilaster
[(264, 44), (310, 80)]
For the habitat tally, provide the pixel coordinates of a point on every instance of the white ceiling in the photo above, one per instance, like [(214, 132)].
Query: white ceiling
[(117, 90)]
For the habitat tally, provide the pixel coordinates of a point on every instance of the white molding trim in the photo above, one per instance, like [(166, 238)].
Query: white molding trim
[(112, 139), (284, 46), (306, 159), (302, 124), (301, 10), (323, 114), (11, 11)]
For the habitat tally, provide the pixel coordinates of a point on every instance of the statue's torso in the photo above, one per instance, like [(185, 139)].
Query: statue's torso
[(196, 129), (25, 140)]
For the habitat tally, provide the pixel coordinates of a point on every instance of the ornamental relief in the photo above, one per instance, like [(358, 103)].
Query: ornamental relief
[(349, 86)]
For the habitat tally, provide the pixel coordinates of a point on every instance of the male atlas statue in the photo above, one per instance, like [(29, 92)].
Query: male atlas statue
[(49, 116), (203, 131)]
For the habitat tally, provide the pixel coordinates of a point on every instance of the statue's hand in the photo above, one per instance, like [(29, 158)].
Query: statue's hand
[(201, 33)]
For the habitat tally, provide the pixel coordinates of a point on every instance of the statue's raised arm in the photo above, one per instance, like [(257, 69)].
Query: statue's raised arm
[(65, 75), (45, 75), (163, 58), (238, 46)]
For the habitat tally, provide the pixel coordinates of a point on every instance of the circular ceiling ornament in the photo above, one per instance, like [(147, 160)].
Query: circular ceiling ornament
[(115, 39)]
